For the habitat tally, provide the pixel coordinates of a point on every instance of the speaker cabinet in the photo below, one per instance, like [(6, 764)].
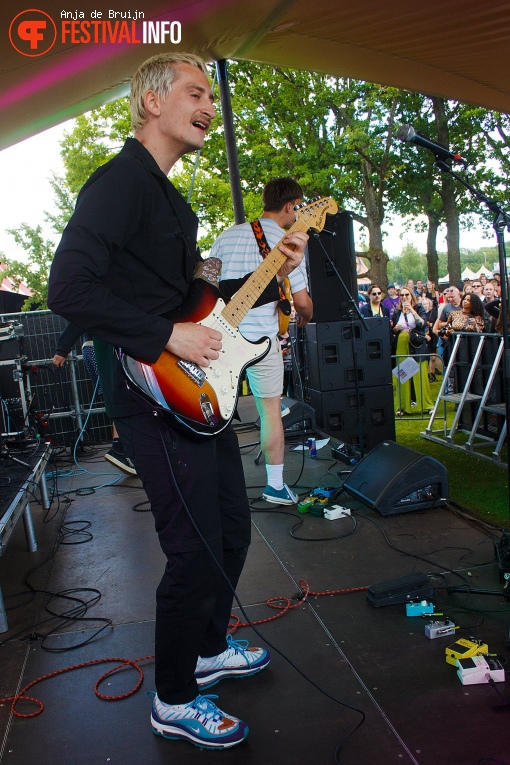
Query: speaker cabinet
[(297, 417), (329, 351), (338, 415), (330, 302), (393, 479)]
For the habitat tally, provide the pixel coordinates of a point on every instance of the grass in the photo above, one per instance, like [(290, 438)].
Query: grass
[(475, 483)]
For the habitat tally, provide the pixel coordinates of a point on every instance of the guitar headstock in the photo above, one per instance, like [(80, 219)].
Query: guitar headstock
[(313, 214)]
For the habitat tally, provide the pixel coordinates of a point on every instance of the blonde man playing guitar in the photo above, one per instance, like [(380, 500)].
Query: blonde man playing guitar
[(124, 269)]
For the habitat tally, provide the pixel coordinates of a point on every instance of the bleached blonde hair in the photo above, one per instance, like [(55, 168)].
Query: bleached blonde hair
[(157, 74)]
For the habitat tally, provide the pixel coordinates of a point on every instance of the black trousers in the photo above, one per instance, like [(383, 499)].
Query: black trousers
[(194, 598)]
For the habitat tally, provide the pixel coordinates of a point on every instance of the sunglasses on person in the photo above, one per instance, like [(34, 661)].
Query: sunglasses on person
[(476, 285), (375, 293)]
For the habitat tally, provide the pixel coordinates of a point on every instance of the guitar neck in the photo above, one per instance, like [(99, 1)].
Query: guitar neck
[(246, 297)]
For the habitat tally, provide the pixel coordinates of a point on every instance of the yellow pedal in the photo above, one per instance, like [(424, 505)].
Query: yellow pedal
[(464, 649)]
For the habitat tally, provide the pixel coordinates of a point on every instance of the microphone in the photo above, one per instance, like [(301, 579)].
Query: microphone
[(408, 133)]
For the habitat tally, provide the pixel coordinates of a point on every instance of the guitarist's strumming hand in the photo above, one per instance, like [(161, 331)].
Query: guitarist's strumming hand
[(293, 246), (193, 342)]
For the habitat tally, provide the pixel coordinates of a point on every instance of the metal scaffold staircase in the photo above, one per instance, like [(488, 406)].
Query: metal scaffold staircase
[(474, 400)]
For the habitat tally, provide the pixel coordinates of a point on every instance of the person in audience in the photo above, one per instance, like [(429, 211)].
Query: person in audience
[(392, 299), (409, 328), (375, 306), (431, 316), (488, 292), (419, 288), (491, 315), (467, 287), (452, 303), (483, 280), (477, 288), (499, 322), (431, 292), (468, 319)]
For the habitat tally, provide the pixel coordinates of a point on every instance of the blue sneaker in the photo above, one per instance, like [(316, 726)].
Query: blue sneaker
[(238, 660), (199, 722), (280, 496)]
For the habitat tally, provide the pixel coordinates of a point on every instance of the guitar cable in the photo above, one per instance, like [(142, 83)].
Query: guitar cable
[(245, 615)]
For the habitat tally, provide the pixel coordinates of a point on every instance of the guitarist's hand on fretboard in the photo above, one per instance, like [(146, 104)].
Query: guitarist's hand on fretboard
[(193, 342), (293, 246)]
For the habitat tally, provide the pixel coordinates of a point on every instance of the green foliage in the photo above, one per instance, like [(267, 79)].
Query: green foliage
[(34, 273), (337, 137), (410, 264), (95, 138)]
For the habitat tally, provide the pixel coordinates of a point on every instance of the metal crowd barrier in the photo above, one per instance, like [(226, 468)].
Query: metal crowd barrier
[(34, 394)]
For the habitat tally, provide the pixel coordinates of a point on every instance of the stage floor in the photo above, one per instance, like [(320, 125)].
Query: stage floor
[(334, 656)]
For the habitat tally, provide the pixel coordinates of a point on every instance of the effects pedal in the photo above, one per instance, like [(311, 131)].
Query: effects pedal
[(306, 504), (326, 492), (440, 629), (423, 608), (479, 669), (464, 649), (345, 453), (332, 512)]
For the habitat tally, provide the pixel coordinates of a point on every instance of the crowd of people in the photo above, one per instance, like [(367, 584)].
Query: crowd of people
[(422, 319)]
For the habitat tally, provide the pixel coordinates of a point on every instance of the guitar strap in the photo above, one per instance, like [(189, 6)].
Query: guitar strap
[(284, 303)]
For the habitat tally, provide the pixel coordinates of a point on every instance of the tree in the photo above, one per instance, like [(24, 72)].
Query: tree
[(410, 264), (35, 273), (336, 136)]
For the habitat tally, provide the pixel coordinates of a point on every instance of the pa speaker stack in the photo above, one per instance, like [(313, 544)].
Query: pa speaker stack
[(342, 408), (330, 301)]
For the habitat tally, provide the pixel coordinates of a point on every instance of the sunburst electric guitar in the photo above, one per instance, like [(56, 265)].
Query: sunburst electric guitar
[(203, 399)]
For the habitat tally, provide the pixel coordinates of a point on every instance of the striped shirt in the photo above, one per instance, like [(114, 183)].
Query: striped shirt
[(239, 252)]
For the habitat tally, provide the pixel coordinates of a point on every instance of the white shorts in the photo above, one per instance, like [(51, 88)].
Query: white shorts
[(266, 376)]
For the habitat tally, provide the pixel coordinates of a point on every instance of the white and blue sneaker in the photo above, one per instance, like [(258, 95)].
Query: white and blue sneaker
[(280, 496), (200, 722), (238, 660)]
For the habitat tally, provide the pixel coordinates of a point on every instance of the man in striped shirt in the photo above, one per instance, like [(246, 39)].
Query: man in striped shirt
[(239, 251)]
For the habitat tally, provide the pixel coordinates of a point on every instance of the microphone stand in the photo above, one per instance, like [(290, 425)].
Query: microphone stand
[(354, 309), (500, 222)]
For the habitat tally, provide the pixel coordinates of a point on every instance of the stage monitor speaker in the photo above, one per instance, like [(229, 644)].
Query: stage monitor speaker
[(330, 303), (297, 417), (393, 479)]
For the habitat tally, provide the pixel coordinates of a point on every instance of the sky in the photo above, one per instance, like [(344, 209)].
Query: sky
[(26, 194)]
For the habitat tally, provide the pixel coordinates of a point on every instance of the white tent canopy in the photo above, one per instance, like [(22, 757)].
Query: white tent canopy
[(451, 48)]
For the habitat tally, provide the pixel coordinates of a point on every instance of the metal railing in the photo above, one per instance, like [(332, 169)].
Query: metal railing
[(476, 419)]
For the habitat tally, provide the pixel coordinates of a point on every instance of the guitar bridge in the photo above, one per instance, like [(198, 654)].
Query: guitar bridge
[(193, 371)]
